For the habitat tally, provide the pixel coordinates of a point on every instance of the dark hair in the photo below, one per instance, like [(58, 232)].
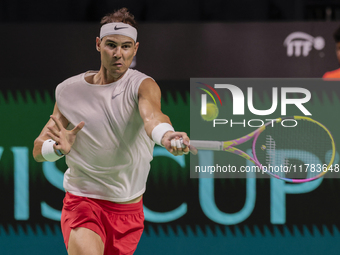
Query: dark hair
[(336, 35), (121, 15)]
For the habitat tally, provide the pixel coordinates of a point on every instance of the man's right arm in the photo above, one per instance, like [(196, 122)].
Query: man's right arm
[(44, 133)]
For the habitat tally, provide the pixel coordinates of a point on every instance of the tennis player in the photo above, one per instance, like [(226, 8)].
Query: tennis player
[(335, 74), (107, 122)]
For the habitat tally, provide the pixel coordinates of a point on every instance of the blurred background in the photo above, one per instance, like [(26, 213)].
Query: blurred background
[(169, 11), (46, 42)]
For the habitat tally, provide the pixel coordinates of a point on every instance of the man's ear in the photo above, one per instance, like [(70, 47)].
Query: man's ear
[(136, 48), (98, 42)]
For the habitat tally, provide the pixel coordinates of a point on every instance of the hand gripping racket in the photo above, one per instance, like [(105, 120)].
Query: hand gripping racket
[(300, 151)]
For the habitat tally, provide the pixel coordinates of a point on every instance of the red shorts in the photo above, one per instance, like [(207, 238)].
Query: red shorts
[(120, 226)]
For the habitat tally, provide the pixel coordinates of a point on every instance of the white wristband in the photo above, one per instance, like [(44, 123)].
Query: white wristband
[(47, 151), (159, 131)]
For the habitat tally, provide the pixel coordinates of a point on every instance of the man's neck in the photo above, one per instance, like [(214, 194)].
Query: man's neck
[(103, 77)]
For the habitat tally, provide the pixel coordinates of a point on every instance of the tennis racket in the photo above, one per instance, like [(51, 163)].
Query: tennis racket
[(299, 152)]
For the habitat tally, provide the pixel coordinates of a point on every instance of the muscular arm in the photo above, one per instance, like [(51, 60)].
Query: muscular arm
[(44, 133), (149, 98)]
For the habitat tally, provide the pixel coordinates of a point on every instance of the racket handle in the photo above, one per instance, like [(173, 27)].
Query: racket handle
[(207, 145)]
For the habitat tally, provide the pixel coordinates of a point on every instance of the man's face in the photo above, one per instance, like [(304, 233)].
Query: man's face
[(117, 52), (337, 51)]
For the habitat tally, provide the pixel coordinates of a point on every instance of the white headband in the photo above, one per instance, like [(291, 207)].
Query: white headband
[(118, 28)]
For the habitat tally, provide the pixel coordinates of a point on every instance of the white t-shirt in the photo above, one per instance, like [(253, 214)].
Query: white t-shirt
[(111, 156)]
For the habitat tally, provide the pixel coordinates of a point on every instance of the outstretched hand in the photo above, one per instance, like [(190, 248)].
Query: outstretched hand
[(64, 138), (177, 143)]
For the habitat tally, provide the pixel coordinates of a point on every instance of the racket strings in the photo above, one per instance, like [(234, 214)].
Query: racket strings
[(294, 152)]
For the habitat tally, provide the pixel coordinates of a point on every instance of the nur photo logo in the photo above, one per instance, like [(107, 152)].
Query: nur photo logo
[(209, 111), (280, 99)]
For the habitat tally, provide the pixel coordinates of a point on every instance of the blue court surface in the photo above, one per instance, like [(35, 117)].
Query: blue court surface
[(49, 240)]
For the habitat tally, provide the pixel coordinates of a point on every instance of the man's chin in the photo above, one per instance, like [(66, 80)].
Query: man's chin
[(119, 70)]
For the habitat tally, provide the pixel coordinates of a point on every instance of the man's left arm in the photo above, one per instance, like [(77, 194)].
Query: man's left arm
[(157, 125)]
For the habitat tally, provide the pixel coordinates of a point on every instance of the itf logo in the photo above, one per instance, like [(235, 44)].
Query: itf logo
[(298, 43)]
